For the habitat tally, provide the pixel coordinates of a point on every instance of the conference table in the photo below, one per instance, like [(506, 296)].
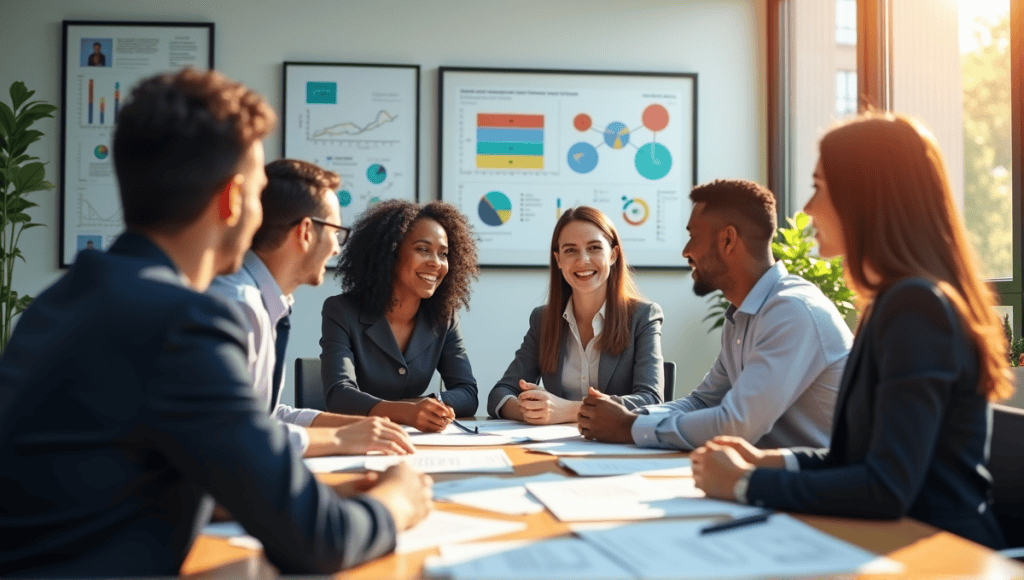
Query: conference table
[(926, 552)]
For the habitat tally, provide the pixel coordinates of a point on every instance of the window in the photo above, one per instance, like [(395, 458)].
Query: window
[(846, 21), (846, 93)]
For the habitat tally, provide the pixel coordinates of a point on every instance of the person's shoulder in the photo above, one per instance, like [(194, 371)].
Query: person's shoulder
[(645, 311), (342, 306), (797, 301), (914, 293)]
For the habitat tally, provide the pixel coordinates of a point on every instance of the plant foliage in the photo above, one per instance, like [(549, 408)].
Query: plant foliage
[(20, 175), (1014, 345), (793, 247)]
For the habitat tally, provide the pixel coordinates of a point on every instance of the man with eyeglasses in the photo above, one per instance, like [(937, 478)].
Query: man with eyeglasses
[(301, 231)]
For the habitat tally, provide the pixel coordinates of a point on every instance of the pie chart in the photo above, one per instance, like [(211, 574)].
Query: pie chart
[(653, 161), (495, 208), (582, 157), (616, 135), (376, 173)]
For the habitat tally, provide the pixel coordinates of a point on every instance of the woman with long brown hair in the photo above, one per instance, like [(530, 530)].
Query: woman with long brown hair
[(911, 423), (595, 331)]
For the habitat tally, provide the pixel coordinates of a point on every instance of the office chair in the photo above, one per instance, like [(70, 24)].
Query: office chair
[(670, 381), (1006, 464), (309, 389)]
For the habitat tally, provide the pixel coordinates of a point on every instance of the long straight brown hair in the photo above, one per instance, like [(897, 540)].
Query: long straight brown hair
[(621, 295), (888, 183)]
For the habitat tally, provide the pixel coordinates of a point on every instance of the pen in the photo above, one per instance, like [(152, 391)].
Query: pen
[(758, 518), (474, 430)]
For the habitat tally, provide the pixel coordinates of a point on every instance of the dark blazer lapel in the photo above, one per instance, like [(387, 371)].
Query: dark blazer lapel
[(837, 442), (424, 335), (380, 333)]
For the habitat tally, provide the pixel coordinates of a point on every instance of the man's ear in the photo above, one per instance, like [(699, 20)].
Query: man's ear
[(230, 201), (304, 234), (728, 239)]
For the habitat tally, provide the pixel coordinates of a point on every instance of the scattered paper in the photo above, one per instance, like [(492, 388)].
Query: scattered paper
[(454, 461), (555, 559), (336, 463), (624, 497), (442, 528), (582, 447), (235, 534), (498, 494), (673, 466)]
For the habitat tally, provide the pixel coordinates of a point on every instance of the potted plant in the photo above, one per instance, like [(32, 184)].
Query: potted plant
[(793, 247), (20, 175)]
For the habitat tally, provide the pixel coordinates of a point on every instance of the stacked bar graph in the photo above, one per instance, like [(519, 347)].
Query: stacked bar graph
[(509, 141)]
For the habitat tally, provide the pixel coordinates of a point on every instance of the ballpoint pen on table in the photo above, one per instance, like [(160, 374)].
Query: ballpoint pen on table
[(474, 430), (758, 518)]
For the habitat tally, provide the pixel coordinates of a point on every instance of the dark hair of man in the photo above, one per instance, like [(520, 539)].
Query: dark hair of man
[(295, 190), (368, 259), (747, 206), (179, 140), (95, 44)]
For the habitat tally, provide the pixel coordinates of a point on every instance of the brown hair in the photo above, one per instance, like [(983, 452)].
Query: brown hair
[(179, 139), (887, 181), (295, 190), (621, 295)]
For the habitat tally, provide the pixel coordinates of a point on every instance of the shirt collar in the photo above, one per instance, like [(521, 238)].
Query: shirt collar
[(570, 316), (759, 293), (278, 304)]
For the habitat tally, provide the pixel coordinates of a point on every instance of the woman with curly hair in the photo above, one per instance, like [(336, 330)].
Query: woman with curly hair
[(405, 272), (595, 333)]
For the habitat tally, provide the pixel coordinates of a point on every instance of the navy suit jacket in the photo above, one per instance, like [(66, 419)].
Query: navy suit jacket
[(911, 432), (125, 403), (361, 364)]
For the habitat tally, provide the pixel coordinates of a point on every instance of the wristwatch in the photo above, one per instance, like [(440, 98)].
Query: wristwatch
[(739, 491)]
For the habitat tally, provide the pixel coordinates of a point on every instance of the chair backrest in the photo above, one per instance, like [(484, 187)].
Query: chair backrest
[(1006, 463), (670, 381), (309, 389)]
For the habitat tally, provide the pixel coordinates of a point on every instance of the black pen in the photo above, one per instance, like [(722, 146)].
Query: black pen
[(473, 431), (758, 518)]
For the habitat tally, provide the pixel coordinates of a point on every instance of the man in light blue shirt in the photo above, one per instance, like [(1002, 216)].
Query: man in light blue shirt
[(301, 231), (783, 348)]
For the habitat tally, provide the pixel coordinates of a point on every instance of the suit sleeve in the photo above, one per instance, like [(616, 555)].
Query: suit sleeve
[(648, 363), (460, 385), (919, 348), (202, 414), (525, 365), (337, 364)]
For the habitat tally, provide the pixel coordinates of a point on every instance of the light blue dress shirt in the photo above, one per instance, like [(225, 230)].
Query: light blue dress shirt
[(776, 379)]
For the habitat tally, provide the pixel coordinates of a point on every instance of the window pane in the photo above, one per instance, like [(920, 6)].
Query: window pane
[(951, 69), (823, 83)]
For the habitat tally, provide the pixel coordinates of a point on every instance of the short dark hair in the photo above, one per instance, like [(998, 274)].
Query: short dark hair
[(753, 203), (367, 263), (295, 190), (179, 139), (97, 44)]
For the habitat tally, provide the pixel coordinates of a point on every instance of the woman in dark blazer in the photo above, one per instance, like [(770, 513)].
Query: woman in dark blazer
[(912, 423), (595, 331), (405, 272)]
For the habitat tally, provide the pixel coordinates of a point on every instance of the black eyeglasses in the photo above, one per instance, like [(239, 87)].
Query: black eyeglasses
[(343, 232)]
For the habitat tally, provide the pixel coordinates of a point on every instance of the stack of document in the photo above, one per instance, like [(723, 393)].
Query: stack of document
[(780, 547), (577, 445), (443, 528), (663, 466), (625, 497), (455, 461)]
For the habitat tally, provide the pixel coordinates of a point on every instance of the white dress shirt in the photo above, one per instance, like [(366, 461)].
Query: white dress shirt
[(254, 289), (581, 364)]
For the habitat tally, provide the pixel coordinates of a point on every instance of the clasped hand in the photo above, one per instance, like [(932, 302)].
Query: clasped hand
[(719, 463), (540, 407)]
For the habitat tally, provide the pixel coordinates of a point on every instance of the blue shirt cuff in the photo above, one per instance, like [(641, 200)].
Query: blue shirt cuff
[(644, 429)]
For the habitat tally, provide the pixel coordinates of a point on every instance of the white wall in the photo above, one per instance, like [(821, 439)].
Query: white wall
[(722, 41)]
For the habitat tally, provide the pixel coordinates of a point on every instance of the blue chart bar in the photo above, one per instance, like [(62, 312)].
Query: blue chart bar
[(510, 135)]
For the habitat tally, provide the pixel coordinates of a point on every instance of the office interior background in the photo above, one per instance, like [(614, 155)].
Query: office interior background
[(773, 76)]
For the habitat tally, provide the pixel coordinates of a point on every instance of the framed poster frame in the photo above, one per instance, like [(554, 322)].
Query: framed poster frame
[(107, 58), (360, 120), (538, 141)]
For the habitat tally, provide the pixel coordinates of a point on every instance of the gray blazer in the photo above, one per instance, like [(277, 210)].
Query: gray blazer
[(361, 365), (636, 376)]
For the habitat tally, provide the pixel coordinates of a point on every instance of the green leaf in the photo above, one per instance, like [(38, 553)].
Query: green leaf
[(6, 120), (29, 176), (27, 117), (22, 304), (801, 220), (33, 225), (20, 94)]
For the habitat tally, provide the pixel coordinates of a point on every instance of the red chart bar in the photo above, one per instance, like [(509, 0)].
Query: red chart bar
[(518, 121)]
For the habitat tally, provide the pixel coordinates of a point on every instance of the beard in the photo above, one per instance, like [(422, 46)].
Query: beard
[(702, 288), (712, 269)]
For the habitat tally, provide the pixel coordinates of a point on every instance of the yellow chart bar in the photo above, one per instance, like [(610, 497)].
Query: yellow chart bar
[(510, 161)]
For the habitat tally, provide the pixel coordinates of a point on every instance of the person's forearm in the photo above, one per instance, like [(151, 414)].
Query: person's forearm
[(322, 441), (334, 420), (570, 412), (511, 410), (394, 410), (772, 460)]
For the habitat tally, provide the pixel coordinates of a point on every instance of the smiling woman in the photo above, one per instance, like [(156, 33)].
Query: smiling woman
[(596, 331), (405, 272)]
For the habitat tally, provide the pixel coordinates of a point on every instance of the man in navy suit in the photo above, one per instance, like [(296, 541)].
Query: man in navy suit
[(125, 400)]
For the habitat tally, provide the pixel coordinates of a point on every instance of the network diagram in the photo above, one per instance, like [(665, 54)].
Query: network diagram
[(652, 159)]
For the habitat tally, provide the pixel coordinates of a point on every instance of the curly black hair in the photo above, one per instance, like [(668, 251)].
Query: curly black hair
[(367, 264)]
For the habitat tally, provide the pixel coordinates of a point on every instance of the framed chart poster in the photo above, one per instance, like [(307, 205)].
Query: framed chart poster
[(517, 147), (102, 62), (360, 121)]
